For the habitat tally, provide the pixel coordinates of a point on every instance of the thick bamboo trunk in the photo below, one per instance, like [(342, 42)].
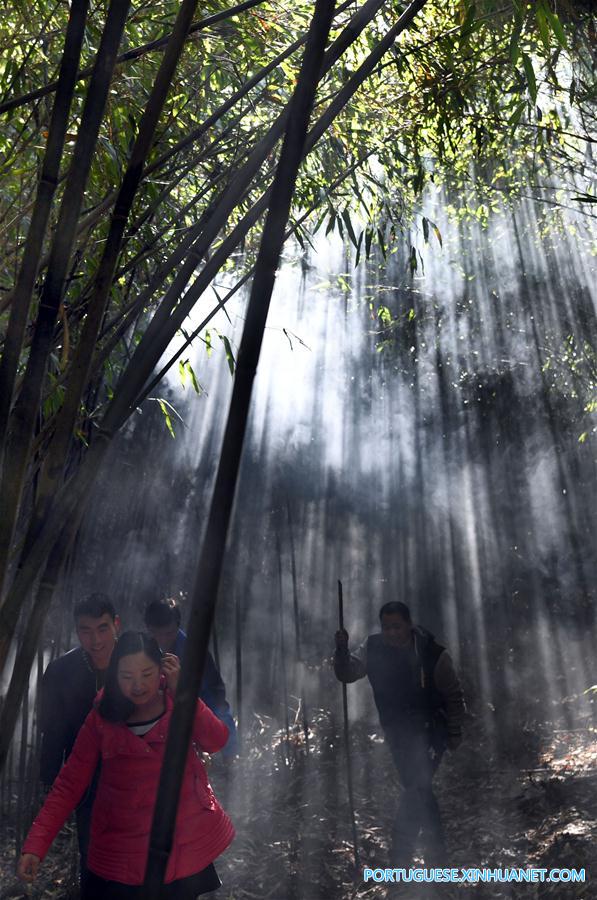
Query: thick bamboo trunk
[(212, 554), (52, 472), (26, 409), (33, 248)]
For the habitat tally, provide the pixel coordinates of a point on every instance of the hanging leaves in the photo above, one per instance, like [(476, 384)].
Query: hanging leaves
[(530, 76), (229, 354)]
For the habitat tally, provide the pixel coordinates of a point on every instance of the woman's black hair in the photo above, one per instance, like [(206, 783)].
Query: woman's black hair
[(114, 706)]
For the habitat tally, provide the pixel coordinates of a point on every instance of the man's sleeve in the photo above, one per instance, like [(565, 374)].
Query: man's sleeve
[(52, 723), (448, 685), (350, 667), (213, 693)]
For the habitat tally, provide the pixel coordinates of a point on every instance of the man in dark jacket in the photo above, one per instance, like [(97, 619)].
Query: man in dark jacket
[(420, 704), (68, 689), (162, 620)]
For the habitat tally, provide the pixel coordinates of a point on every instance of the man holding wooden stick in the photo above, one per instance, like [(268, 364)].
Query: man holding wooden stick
[(421, 706)]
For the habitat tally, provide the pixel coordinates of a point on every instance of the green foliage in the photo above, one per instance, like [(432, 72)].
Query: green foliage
[(486, 97)]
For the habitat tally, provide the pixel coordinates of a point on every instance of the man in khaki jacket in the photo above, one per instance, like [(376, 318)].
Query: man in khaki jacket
[(421, 707)]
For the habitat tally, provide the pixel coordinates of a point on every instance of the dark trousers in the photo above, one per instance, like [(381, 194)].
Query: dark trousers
[(416, 757), (182, 889)]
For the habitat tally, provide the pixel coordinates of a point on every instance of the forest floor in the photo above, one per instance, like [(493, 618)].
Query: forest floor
[(534, 805)]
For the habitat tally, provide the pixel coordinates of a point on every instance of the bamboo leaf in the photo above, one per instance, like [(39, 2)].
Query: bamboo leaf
[(197, 387), (358, 253), (517, 114), (437, 233), (543, 27), (513, 47), (229, 354), (530, 76), (167, 418), (349, 228), (556, 27)]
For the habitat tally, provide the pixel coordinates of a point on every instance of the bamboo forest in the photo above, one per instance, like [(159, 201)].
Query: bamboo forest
[(298, 449)]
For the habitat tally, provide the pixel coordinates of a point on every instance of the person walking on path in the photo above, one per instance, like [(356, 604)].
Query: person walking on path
[(127, 729), (421, 706), (69, 687)]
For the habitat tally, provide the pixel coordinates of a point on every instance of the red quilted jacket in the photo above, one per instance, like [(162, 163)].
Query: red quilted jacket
[(123, 807)]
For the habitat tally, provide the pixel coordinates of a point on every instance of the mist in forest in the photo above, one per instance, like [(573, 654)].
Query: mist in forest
[(421, 433)]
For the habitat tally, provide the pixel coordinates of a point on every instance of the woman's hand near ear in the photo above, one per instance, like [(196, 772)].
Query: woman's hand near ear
[(171, 669)]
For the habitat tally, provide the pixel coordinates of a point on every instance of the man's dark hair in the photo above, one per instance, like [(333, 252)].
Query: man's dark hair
[(395, 608), (94, 606), (114, 706), (161, 613)]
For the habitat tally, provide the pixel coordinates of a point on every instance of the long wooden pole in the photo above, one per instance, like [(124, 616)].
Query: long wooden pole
[(357, 859), (212, 552)]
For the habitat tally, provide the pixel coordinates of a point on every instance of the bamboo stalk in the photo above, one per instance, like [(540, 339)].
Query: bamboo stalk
[(19, 681), (55, 462), (25, 411), (297, 628), (346, 735), (27, 276), (212, 553), (239, 667), (22, 770), (283, 650), (131, 54)]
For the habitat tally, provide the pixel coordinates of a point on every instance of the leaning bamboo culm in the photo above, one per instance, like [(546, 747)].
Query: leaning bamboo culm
[(22, 419), (283, 661), (48, 180), (81, 364), (212, 552)]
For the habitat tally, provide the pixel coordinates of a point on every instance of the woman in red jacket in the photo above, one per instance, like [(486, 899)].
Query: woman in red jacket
[(127, 730)]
